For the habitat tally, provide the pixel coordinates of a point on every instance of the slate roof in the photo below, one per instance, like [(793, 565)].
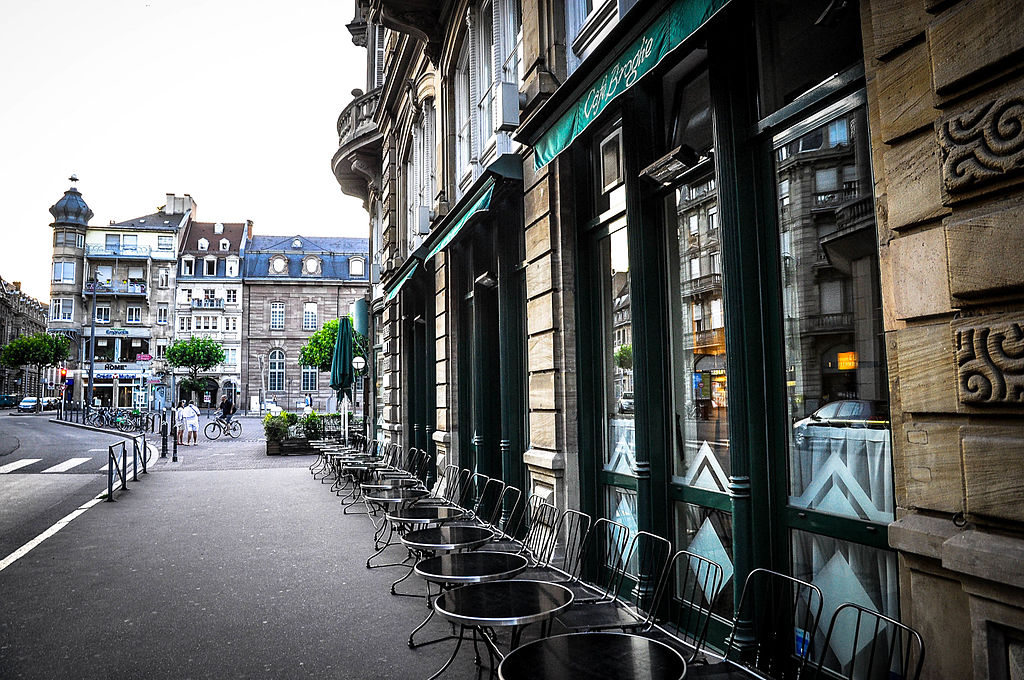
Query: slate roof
[(157, 221), (334, 254), (234, 232)]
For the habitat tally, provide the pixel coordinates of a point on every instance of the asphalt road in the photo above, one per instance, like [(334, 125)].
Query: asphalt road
[(46, 471)]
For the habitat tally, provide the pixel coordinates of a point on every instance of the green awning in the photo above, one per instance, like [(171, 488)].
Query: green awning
[(481, 201), (666, 33), (397, 284)]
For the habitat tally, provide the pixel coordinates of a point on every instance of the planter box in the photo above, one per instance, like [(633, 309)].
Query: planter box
[(273, 448)]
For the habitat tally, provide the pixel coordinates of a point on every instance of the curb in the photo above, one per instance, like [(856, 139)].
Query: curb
[(154, 451)]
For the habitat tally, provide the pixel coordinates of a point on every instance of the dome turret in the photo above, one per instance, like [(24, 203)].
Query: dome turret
[(71, 209)]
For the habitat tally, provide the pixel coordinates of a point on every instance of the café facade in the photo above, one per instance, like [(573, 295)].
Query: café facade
[(745, 275)]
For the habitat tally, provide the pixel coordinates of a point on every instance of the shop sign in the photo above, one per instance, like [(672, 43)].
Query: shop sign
[(665, 34), (126, 366), (118, 332), (143, 357), (847, 361), (119, 376)]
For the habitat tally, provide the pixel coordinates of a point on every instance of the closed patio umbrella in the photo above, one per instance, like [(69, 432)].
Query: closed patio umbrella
[(342, 372)]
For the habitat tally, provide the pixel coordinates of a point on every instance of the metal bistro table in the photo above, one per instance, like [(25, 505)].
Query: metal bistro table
[(457, 569), (442, 539), (513, 604), (389, 498), (593, 656)]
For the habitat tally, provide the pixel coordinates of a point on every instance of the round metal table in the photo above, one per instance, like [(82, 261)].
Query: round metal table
[(394, 496), (430, 514), (593, 656), (482, 607), (447, 539)]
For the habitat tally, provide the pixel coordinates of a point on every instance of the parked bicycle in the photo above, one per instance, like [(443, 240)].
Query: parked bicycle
[(215, 428)]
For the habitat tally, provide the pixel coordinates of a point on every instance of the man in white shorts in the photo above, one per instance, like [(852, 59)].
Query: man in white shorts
[(191, 414)]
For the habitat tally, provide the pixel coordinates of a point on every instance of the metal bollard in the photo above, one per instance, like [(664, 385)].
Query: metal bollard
[(135, 459), (163, 438), (174, 455), (144, 454)]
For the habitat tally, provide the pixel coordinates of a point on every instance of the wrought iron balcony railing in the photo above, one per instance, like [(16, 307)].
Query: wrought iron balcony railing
[(101, 250)]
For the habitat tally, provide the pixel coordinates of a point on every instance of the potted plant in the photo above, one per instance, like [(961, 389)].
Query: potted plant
[(276, 429)]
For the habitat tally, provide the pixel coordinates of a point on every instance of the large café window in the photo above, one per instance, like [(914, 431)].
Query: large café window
[(839, 449)]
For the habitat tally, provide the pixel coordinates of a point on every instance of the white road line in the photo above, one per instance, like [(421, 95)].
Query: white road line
[(67, 465), (11, 467), (25, 549)]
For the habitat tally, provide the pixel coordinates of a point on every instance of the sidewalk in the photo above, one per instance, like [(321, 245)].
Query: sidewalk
[(214, 574)]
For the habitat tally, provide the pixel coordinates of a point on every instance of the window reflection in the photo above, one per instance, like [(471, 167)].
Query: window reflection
[(837, 387), (620, 406)]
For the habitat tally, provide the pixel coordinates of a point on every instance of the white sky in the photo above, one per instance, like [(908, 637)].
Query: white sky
[(234, 102)]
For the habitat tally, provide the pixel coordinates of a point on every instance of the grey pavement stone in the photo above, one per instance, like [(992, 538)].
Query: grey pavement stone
[(230, 573)]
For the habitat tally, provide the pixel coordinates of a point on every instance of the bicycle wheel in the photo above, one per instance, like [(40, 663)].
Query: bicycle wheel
[(212, 430), (234, 429), (124, 425)]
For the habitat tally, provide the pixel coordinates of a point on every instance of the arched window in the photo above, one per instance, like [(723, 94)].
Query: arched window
[(356, 267), (275, 377)]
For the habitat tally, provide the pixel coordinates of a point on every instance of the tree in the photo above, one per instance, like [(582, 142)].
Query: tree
[(624, 357), (194, 355), (319, 349), (40, 350)]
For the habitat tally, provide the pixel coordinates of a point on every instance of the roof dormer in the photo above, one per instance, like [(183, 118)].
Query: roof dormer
[(204, 244)]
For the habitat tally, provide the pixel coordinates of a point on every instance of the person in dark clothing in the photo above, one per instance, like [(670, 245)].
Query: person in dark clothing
[(227, 407)]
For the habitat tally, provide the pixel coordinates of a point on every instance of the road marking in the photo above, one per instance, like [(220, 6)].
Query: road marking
[(11, 467), (25, 549), (67, 465)]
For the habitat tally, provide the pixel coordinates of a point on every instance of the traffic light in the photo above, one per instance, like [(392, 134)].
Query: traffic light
[(63, 374)]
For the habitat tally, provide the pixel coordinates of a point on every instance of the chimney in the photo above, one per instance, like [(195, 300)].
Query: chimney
[(169, 205)]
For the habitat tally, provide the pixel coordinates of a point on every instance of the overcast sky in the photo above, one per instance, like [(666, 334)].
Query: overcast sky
[(234, 102)]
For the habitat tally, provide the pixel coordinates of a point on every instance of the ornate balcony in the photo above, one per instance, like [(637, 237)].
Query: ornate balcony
[(95, 250), (702, 284), (138, 289), (356, 164), (215, 303)]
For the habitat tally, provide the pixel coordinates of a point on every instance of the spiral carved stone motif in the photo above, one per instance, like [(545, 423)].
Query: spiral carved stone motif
[(983, 144), (990, 361)]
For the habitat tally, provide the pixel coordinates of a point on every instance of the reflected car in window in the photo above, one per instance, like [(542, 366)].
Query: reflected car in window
[(625, 403), (844, 413)]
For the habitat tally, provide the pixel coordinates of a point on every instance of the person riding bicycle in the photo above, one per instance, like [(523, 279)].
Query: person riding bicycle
[(227, 407)]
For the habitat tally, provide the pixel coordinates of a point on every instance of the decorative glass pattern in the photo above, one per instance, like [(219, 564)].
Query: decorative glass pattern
[(846, 572), (708, 533)]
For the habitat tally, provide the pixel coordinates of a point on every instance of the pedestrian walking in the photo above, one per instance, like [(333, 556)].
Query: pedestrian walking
[(191, 413), (179, 421)]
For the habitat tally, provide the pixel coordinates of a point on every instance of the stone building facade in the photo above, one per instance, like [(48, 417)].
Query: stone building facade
[(804, 218), (208, 300), (21, 315), (291, 286)]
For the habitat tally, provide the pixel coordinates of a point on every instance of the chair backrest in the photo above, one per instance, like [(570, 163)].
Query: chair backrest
[(604, 554), (862, 644), (696, 582), (508, 509), (474, 489), (647, 561), (422, 466), (488, 502), (779, 614), (543, 524), (457, 486), (566, 549)]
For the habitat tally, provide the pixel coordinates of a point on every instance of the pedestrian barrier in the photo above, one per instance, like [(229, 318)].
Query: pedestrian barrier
[(119, 465)]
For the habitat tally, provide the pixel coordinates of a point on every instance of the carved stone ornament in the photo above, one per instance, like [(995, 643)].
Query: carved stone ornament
[(990, 360), (983, 144)]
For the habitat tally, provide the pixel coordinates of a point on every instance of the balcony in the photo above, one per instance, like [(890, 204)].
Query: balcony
[(356, 163), (214, 303), (702, 284), (841, 322), (127, 289), (827, 200), (418, 18), (95, 250)]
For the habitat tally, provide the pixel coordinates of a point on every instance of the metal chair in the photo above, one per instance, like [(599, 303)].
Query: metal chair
[(695, 583), (773, 631), (604, 553), (892, 650), (562, 560), (637, 590)]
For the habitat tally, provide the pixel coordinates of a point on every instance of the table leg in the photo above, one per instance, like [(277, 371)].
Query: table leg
[(442, 669)]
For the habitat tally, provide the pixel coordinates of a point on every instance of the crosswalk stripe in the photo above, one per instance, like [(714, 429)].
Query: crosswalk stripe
[(11, 467), (67, 465)]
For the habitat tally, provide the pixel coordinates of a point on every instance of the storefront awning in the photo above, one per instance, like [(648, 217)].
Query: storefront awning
[(679, 21), (480, 202), (393, 289)]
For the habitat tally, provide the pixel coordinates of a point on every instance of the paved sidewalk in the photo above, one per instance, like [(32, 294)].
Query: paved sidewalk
[(213, 574)]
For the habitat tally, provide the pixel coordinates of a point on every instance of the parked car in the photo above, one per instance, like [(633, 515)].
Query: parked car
[(28, 404), (9, 400), (844, 413), (625, 403)]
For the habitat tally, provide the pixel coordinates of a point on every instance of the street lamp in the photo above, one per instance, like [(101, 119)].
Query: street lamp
[(358, 363), (92, 340)]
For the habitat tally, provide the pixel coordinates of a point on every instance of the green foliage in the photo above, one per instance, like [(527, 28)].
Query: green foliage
[(195, 354), (319, 349), (275, 427), (624, 357), (313, 426), (192, 385), (291, 418), (39, 350)]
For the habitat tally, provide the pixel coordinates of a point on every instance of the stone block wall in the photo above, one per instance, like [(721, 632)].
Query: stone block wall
[(946, 98)]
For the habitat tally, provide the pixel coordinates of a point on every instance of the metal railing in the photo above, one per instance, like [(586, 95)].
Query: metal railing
[(122, 288), (100, 249), (207, 303), (120, 468)]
